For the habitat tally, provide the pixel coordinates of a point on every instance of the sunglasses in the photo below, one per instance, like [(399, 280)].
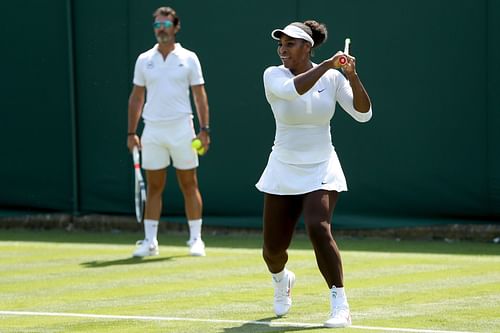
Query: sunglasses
[(166, 24)]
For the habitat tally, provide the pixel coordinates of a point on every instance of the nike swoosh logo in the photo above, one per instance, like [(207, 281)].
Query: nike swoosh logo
[(324, 183), (321, 90)]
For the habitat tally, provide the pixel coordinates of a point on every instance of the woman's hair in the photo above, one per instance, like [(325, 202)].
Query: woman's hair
[(166, 11), (314, 29)]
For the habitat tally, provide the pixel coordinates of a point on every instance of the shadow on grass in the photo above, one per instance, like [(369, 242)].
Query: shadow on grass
[(127, 261), (266, 325), (251, 241)]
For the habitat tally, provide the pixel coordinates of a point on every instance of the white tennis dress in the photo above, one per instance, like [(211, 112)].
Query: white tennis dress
[(303, 158)]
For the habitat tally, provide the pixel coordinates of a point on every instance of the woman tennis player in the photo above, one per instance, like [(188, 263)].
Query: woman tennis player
[(303, 174)]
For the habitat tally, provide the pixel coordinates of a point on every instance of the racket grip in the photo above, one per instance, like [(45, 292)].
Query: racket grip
[(340, 61), (135, 155)]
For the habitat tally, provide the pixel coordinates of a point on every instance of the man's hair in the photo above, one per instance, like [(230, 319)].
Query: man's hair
[(166, 11)]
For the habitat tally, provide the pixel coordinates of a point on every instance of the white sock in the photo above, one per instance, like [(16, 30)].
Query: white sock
[(194, 229), (338, 297), (151, 230), (278, 276)]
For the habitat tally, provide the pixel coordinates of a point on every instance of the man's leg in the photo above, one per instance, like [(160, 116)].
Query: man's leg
[(188, 183), (193, 205), (156, 180)]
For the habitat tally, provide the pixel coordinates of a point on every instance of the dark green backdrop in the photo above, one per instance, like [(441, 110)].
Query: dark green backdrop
[(431, 67)]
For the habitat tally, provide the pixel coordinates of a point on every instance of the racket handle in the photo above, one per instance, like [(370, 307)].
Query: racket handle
[(347, 45), (135, 156), (343, 59), (340, 61)]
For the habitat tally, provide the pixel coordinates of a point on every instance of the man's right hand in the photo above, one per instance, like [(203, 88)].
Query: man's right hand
[(132, 141)]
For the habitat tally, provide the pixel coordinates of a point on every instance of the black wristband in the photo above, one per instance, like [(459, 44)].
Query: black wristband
[(130, 134), (205, 129)]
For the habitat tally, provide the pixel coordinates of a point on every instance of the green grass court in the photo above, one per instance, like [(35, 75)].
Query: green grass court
[(401, 286)]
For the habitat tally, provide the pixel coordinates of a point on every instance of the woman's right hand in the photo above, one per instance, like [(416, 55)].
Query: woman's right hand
[(335, 61)]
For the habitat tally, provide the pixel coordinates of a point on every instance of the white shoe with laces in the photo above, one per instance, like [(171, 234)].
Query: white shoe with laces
[(340, 317), (283, 293), (146, 248), (196, 247)]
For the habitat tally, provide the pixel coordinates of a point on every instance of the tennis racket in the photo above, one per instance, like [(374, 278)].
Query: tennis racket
[(343, 59), (140, 187)]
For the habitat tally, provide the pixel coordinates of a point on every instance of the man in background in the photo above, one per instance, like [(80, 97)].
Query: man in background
[(163, 77)]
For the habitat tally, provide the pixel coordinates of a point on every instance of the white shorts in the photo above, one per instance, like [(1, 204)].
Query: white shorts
[(292, 179), (169, 140)]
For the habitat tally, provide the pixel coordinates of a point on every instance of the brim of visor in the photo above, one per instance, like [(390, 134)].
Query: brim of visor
[(276, 34)]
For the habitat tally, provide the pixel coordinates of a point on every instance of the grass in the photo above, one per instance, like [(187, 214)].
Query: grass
[(402, 284)]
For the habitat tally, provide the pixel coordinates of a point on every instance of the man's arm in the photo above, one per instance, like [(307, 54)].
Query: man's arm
[(201, 104), (135, 105)]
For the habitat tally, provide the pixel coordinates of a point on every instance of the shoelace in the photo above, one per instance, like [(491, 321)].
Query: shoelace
[(142, 241), (197, 244), (340, 312)]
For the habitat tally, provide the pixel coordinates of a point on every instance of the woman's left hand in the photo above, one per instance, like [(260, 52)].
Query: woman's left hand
[(349, 67)]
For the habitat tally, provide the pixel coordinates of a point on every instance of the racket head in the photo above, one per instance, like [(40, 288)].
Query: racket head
[(137, 199), (140, 201), (140, 187)]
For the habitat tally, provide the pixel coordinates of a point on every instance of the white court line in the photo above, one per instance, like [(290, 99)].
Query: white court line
[(227, 321)]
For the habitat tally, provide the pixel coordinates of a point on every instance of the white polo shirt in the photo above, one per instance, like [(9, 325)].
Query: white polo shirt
[(167, 82), (303, 121)]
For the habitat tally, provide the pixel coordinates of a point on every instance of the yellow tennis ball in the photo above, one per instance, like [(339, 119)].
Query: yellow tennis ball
[(196, 144)]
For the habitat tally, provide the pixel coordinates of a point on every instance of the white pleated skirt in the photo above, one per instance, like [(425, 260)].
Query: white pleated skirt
[(291, 179)]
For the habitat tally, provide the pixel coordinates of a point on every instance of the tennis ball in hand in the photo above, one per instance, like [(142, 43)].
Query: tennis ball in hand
[(196, 143), (198, 146)]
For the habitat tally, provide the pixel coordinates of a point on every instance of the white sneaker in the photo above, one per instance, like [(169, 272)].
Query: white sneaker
[(283, 294), (340, 317), (146, 249), (196, 247)]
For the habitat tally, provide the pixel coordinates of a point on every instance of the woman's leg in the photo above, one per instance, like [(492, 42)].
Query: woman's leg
[(318, 210), (281, 214)]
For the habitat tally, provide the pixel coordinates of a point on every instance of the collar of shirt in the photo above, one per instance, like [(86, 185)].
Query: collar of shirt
[(177, 48)]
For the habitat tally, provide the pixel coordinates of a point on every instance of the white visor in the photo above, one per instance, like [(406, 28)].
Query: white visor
[(294, 32)]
